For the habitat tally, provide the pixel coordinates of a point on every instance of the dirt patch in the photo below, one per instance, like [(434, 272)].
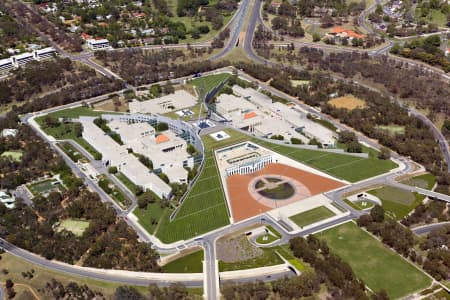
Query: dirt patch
[(117, 104), (236, 248), (349, 102)]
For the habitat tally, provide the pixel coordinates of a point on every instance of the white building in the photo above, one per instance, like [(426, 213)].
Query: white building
[(166, 150), (7, 200), (21, 59), (117, 155), (176, 101), (6, 65), (9, 132), (98, 44), (257, 113), (45, 53)]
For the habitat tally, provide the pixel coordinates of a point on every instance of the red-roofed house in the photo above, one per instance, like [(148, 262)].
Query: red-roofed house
[(343, 33), (139, 15), (447, 52), (85, 36)]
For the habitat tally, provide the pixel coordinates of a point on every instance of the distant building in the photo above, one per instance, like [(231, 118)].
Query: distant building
[(9, 132), (7, 200), (45, 53), (98, 44), (6, 65), (21, 59), (447, 52)]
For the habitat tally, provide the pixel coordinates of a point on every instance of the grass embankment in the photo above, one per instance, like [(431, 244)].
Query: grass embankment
[(397, 203), (312, 216), (191, 263)]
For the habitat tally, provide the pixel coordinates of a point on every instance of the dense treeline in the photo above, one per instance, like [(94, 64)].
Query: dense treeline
[(33, 21), (139, 66), (40, 85), (432, 254), (72, 290), (433, 211), (427, 50)]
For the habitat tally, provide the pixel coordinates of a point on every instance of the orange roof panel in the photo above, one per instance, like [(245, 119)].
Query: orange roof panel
[(161, 139), (249, 115)]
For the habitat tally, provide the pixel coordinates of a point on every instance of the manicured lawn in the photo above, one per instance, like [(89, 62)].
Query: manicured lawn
[(359, 205), (425, 181), (151, 216), (312, 216), (266, 239), (342, 166), (397, 203), (77, 227), (191, 263), (378, 266), (127, 182), (14, 155), (268, 258), (71, 151), (209, 82), (75, 113)]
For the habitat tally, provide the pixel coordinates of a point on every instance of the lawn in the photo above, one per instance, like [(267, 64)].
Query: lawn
[(342, 166), (73, 113), (67, 131), (397, 203), (191, 263), (359, 205), (150, 217), (71, 151), (392, 129), (268, 258), (14, 155), (77, 227), (425, 181), (127, 182), (209, 82), (378, 266), (266, 239), (312, 216)]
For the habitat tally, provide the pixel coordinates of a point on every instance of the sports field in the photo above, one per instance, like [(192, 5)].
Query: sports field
[(348, 102), (312, 216), (77, 227), (378, 266), (397, 203)]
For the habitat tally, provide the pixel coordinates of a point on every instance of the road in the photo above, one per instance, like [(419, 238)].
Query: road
[(2, 293), (429, 227)]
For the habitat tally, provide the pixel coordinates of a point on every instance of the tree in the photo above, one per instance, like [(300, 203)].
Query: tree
[(127, 293), (112, 170), (316, 37), (377, 213), (385, 153), (142, 202)]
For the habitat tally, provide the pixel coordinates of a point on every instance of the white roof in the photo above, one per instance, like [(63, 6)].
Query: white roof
[(96, 42), (179, 100), (5, 61), (9, 132), (231, 103), (45, 50), (23, 55), (118, 156)]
